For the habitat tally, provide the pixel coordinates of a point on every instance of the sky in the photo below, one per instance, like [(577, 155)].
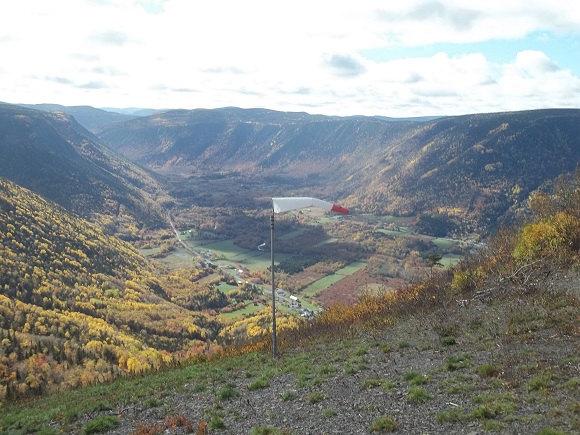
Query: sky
[(332, 57)]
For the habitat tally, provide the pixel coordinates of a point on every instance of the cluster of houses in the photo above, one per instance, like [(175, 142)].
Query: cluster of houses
[(293, 303)]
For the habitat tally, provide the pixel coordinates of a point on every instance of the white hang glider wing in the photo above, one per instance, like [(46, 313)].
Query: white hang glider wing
[(282, 205)]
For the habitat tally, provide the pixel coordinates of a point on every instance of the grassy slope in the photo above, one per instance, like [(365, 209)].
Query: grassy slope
[(506, 364)]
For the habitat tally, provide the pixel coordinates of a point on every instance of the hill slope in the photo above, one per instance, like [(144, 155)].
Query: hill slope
[(477, 167), (51, 154), (471, 170), (86, 305)]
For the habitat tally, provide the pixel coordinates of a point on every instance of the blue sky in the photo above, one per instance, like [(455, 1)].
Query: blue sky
[(564, 50), (334, 57)]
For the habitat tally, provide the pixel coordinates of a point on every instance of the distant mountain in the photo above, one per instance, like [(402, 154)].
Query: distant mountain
[(134, 111), (252, 141), (53, 155), (475, 168), (87, 116)]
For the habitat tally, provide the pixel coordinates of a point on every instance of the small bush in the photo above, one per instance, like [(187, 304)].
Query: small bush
[(383, 424), (572, 383), (386, 348), (403, 345), (457, 362), (461, 388), (540, 382), (372, 383), (492, 425), (492, 405), (216, 421), (100, 424), (361, 351), (199, 388), (102, 406), (151, 402), (329, 412), (354, 365), (550, 431), (326, 370)]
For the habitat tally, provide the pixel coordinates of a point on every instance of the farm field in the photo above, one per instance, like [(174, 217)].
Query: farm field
[(344, 285), (226, 252), (323, 283), (247, 310)]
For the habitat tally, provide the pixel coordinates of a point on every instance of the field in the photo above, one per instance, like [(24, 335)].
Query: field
[(318, 286), (248, 310)]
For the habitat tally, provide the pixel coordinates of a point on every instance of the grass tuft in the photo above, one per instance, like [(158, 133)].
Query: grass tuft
[(227, 392), (100, 424), (316, 397), (383, 424), (259, 384), (418, 395)]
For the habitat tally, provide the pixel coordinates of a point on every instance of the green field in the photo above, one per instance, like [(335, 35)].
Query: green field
[(444, 243), (226, 288), (403, 231), (449, 260), (230, 254), (323, 283), (178, 258), (292, 234), (247, 310), (351, 268), (149, 251)]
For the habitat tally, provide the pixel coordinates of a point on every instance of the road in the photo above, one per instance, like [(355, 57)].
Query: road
[(185, 245)]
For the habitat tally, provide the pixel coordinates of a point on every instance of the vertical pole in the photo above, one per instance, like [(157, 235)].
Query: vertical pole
[(273, 285)]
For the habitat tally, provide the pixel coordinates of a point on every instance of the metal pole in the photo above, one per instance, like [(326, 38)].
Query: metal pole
[(273, 285)]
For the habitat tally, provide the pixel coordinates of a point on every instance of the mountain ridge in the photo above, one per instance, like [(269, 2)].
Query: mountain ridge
[(471, 167), (53, 155), (89, 117)]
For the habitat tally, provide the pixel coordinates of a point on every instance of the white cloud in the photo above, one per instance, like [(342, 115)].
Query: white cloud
[(284, 55)]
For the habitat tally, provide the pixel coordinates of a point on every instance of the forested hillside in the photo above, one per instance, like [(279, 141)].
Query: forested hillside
[(51, 154), (78, 306), (473, 172)]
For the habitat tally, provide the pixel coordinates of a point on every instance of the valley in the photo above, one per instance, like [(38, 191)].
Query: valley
[(144, 243), (303, 270)]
